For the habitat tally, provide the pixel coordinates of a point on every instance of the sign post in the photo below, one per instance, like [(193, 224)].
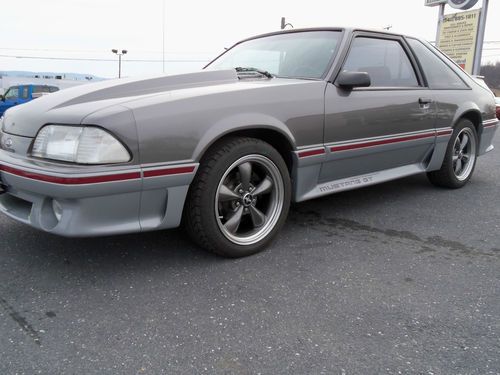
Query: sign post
[(480, 38), (440, 22)]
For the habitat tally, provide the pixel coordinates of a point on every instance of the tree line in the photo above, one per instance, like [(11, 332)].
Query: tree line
[(491, 74)]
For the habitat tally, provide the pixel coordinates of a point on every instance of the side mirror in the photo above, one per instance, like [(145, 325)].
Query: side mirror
[(2, 98), (349, 80)]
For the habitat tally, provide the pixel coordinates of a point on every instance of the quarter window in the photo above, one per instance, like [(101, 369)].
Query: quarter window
[(384, 60), (40, 89), (439, 75), (43, 89)]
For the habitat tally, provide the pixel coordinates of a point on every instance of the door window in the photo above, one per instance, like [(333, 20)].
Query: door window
[(384, 60)]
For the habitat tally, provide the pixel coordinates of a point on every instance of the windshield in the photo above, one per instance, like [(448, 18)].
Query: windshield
[(294, 55), (12, 93)]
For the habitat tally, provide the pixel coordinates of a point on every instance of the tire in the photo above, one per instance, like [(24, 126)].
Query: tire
[(460, 159), (239, 198)]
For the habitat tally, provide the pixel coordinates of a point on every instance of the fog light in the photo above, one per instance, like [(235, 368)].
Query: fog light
[(56, 206)]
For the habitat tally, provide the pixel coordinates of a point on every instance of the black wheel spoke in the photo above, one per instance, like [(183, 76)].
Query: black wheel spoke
[(258, 218), (458, 166), (234, 221), (226, 194), (463, 143), (264, 187), (245, 170)]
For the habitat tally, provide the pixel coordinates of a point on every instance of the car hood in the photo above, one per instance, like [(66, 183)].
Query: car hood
[(71, 106)]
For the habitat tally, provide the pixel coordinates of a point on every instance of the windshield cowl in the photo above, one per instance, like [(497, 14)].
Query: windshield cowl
[(250, 72)]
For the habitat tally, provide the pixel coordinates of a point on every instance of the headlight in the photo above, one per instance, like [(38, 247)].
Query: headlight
[(84, 145)]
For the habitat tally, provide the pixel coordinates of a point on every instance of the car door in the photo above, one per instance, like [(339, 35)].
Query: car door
[(386, 126)]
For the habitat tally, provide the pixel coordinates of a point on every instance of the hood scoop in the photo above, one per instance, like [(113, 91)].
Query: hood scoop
[(125, 88)]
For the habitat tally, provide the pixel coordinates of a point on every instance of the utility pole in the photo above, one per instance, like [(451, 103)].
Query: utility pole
[(120, 54), (163, 29)]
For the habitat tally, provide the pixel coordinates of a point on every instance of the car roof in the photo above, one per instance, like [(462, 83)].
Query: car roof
[(330, 28)]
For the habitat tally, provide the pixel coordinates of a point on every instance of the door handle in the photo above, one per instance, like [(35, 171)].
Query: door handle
[(425, 101)]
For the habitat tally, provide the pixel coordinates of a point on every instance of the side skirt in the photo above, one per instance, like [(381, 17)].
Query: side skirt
[(362, 181)]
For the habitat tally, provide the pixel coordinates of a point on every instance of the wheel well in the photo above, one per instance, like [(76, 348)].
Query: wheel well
[(475, 118), (273, 137)]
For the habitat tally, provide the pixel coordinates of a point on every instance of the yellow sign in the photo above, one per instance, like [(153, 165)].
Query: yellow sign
[(458, 37)]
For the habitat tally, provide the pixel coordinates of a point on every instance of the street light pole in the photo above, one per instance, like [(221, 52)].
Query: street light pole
[(163, 31), (120, 54)]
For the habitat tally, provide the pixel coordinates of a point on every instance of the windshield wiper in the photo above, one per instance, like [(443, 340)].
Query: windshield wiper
[(265, 73)]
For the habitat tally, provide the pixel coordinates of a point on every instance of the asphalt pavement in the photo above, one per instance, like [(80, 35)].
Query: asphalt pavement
[(398, 278)]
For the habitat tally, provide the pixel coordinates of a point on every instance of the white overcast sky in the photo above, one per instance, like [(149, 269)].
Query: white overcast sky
[(195, 30)]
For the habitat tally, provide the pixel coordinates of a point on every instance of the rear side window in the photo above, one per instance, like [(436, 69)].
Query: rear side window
[(384, 60), (439, 75), (39, 89), (53, 89)]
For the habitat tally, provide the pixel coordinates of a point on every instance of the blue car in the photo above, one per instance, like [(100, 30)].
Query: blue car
[(16, 95)]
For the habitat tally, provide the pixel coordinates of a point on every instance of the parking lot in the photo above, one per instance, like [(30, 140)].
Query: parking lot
[(397, 278)]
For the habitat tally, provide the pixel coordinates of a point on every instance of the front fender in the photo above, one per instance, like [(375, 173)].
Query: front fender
[(239, 122)]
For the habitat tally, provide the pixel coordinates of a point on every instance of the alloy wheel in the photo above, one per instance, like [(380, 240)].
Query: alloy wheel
[(464, 154), (249, 199)]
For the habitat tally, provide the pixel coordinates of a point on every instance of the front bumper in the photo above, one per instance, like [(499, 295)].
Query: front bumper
[(96, 200)]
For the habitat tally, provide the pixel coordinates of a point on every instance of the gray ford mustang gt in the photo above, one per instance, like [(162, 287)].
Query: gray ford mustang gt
[(281, 117)]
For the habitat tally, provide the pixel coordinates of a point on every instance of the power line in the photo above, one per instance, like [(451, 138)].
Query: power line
[(104, 60), (93, 50)]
